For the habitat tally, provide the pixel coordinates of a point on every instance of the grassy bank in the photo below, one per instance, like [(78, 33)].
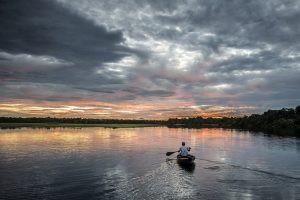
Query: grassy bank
[(53, 125)]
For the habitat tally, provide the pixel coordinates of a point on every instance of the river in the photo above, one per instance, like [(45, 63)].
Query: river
[(130, 163)]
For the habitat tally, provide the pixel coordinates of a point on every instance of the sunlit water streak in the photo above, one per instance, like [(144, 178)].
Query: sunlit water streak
[(101, 163)]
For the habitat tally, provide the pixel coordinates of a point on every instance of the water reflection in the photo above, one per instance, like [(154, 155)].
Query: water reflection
[(102, 163), (187, 167)]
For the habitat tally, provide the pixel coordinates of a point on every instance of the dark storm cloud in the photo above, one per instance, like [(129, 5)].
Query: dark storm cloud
[(148, 93), (165, 6), (236, 24), (42, 35), (100, 90), (45, 28), (264, 60)]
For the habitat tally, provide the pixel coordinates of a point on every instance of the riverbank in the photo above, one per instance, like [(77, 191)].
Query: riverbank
[(289, 132), (56, 125), (284, 122)]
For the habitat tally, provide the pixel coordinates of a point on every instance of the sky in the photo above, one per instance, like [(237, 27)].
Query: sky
[(139, 59)]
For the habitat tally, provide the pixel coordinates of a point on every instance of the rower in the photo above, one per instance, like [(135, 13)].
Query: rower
[(183, 150)]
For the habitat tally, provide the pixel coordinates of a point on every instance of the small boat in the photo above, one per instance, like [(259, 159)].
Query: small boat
[(185, 160)]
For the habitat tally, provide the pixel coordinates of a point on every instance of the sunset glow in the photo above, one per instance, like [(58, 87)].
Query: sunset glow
[(150, 60)]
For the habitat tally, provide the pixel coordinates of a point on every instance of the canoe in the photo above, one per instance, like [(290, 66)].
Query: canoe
[(186, 160)]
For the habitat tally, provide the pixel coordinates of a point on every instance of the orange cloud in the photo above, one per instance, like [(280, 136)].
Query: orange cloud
[(124, 110)]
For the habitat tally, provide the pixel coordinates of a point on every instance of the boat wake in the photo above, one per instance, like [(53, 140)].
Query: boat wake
[(252, 169), (165, 182)]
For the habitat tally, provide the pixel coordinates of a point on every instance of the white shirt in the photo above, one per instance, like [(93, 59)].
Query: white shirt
[(184, 151)]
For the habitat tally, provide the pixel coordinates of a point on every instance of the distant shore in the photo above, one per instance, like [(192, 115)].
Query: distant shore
[(57, 125), (284, 122)]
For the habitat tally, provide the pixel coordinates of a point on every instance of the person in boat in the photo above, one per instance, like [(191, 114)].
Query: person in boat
[(184, 150)]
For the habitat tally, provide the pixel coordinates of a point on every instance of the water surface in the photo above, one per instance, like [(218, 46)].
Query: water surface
[(103, 163)]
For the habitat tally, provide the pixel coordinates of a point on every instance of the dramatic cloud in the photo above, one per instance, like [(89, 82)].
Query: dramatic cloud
[(45, 28), (149, 59)]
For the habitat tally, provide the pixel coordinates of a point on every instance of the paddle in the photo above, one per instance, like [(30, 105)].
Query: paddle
[(170, 153)]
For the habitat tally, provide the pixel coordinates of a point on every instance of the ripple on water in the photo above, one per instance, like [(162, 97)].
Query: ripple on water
[(166, 181)]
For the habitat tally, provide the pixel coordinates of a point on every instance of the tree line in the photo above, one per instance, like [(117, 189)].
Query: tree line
[(284, 121), (75, 120)]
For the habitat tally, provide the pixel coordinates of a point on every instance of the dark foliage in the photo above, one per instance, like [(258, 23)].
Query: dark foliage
[(75, 120), (285, 122)]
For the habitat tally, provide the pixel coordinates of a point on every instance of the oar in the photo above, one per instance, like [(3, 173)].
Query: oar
[(170, 153)]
